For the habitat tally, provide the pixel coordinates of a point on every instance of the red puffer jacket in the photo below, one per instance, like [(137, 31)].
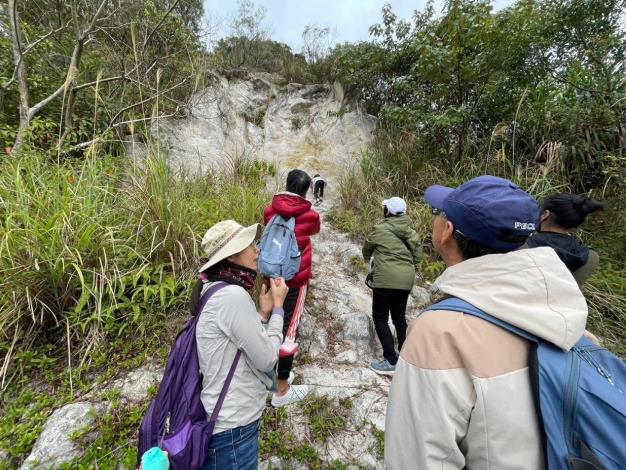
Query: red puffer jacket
[(307, 224)]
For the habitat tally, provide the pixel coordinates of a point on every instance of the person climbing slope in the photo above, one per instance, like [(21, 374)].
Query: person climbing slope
[(396, 249), (293, 203), (318, 188), (560, 214)]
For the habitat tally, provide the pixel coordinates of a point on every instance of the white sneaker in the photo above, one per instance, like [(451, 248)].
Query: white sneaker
[(294, 394)]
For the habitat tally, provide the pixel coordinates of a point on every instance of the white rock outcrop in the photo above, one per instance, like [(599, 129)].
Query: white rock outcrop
[(135, 386), (55, 445), (245, 114)]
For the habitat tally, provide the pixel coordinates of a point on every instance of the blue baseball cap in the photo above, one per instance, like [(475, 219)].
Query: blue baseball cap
[(488, 210)]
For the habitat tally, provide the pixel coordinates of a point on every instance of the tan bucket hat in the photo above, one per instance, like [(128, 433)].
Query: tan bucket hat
[(225, 239)]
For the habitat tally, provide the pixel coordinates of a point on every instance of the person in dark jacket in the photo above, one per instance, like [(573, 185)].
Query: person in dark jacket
[(318, 188), (293, 203), (560, 213), (396, 251)]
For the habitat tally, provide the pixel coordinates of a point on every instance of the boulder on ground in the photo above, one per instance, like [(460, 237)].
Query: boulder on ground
[(55, 445)]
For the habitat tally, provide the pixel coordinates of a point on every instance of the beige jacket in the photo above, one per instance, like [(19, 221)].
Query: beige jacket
[(461, 394)]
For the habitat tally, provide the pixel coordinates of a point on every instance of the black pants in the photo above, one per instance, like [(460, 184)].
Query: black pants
[(394, 301), (318, 189), (285, 363)]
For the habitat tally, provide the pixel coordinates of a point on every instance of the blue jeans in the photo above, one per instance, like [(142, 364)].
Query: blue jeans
[(236, 449)]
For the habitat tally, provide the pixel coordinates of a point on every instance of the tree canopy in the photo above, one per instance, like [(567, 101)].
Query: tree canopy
[(473, 81)]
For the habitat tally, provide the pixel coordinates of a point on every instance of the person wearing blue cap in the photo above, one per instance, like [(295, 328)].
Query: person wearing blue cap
[(461, 395), (396, 251)]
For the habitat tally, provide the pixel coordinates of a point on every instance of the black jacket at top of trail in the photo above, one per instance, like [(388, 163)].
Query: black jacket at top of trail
[(396, 250), (581, 260), (572, 253)]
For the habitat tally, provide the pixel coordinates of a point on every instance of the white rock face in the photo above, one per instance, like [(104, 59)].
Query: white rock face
[(245, 114), (134, 387), (54, 445)]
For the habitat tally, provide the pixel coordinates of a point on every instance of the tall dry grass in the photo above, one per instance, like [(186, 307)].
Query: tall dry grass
[(94, 248)]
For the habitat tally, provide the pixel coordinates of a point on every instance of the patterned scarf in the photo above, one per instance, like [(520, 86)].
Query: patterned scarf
[(231, 273)]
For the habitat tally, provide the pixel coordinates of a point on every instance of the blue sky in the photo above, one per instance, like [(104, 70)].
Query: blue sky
[(348, 19)]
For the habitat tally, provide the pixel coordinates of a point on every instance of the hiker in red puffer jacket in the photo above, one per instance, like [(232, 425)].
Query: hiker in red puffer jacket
[(293, 203)]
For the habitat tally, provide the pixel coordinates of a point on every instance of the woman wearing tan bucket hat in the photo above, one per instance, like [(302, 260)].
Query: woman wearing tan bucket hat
[(228, 323)]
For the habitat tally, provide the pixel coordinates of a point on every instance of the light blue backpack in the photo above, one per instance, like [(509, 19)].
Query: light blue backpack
[(581, 396), (280, 255)]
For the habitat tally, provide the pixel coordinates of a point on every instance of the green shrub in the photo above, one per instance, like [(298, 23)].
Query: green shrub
[(276, 436), (256, 116), (22, 420), (325, 417), (296, 123), (380, 441)]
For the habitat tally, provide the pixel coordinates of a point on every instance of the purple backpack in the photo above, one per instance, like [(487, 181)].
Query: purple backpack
[(176, 420)]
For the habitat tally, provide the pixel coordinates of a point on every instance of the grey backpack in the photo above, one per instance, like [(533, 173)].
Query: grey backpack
[(280, 255)]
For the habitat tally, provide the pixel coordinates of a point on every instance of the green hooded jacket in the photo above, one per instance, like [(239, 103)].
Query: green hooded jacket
[(396, 251)]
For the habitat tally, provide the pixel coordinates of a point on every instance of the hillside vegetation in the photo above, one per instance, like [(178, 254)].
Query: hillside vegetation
[(97, 252), (535, 93)]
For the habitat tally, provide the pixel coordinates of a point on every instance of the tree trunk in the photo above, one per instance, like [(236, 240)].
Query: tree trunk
[(22, 84)]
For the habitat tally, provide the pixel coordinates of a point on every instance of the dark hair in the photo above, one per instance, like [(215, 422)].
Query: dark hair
[(196, 292), (470, 249), (194, 300), (298, 182), (569, 210), (316, 175), (389, 214)]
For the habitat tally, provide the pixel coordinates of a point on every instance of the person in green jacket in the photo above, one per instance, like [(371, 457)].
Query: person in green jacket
[(395, 248)]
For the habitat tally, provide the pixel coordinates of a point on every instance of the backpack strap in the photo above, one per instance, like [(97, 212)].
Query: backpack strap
[(407, 246), (454, 304), (207, 295), (220, 401)]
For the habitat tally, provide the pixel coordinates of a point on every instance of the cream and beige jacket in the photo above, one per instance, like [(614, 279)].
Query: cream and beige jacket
[(461, 395)]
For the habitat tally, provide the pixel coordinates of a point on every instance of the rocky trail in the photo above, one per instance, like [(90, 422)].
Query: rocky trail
[(338, 341), (341, 423)]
